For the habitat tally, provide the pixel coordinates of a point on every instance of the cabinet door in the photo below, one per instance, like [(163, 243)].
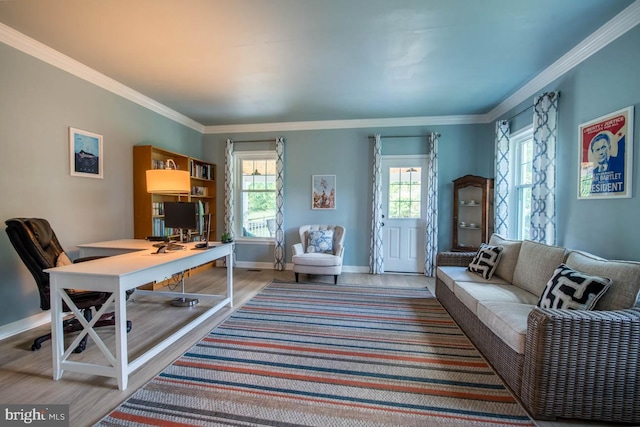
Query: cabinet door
[(472, 207)]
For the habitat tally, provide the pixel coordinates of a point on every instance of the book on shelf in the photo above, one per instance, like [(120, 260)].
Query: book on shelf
[(199, 191), (201, 170)]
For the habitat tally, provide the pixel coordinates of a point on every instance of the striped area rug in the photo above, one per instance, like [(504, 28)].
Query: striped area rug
[(326, 355)]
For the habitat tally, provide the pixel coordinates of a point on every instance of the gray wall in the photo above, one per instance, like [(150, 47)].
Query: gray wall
[(348, 153), (605, 82), (38, 103)]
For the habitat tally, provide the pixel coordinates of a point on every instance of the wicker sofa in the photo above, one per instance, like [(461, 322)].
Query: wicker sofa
[(581, 364)]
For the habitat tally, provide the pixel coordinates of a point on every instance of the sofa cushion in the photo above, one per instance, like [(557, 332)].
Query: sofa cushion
[(486, 260), (451, 274), (536, 264), (470, 293), (625, 275), (508, 320), (509, 257), (320, 241), (573, 290)]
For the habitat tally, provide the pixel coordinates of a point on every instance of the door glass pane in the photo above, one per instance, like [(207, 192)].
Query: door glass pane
[(405, 192)]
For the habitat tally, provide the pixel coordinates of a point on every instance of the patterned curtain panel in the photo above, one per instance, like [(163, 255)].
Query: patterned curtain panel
[(431, 238), (228, 193), (501, 191), (279, 261), (543, 198), (376, 265)]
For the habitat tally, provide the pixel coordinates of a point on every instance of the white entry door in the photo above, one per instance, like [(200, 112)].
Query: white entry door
[(403, 197)]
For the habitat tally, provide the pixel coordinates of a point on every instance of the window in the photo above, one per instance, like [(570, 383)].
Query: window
[(256, 194), (405, 192), (522, 144)]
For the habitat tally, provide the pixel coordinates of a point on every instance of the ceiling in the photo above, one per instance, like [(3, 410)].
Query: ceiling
[(231, 62)]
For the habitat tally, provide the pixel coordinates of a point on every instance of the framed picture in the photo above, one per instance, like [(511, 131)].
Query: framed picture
[(606, 156), (323, 192), (85, 153)]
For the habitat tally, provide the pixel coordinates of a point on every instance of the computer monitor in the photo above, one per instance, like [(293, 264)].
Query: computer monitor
[(181, 215)]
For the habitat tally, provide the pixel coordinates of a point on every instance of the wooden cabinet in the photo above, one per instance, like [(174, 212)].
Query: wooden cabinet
[(147, 208), (472, 212)]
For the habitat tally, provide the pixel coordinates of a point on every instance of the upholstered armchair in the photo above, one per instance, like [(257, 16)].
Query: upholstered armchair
[(320, 251)]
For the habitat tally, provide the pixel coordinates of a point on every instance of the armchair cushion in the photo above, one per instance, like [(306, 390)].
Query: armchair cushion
[(317, 260), (320, 241)]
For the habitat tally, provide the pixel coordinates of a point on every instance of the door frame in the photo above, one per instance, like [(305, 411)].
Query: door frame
[(423, 161)]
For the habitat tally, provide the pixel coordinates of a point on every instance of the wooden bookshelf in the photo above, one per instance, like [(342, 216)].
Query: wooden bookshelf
[(148, 218)]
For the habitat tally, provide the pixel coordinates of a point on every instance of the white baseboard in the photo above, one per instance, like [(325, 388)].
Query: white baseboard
[(23, 325)]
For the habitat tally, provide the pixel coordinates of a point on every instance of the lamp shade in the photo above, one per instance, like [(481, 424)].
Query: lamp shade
[(168, 181)]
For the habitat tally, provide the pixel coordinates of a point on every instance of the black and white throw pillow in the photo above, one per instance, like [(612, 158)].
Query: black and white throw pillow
[(571, 289), (486, 260)]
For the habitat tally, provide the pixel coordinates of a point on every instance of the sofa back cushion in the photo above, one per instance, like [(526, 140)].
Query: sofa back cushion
[(536, 264), (509, 257), (625, 275)]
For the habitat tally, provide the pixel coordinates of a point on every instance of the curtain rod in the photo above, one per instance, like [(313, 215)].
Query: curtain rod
[(257, 140), (403, 136), (530, 107), (517, 114)]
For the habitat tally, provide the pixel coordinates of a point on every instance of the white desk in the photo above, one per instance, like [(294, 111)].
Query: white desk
[(135, 266)]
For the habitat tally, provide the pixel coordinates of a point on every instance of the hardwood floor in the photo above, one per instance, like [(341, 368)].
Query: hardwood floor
[(26, 376)]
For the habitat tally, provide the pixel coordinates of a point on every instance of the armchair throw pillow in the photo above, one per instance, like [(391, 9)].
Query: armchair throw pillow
[(571, 289), (486, 260), (320, 241)]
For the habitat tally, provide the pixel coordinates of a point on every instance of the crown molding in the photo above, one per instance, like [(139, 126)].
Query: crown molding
[(607, 33), (32, 47), (346, 124)]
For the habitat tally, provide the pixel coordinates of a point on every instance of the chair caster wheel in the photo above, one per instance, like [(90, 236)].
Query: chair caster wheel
[(80, 348), (35, 347), (129, 326)]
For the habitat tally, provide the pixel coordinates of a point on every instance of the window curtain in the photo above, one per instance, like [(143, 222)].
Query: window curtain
[(431, 229), (501, 190), (228, 192), (543, 198), (229, 189), (376, 265), (279, 261)]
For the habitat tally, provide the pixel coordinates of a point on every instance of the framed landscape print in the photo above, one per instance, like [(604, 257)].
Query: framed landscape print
[(606, 156), (85, 153), (323, 192)]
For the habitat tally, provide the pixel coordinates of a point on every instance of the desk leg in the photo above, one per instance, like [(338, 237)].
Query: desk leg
[(230, 278), (57, 330), (122, 363)]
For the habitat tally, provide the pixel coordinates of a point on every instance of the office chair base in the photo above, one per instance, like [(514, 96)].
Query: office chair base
[(184, 302)]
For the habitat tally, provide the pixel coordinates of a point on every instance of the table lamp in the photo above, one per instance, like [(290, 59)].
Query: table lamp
[(169, 180)]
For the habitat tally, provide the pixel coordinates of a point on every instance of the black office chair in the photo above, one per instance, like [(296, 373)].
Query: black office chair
[(39, 249)]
